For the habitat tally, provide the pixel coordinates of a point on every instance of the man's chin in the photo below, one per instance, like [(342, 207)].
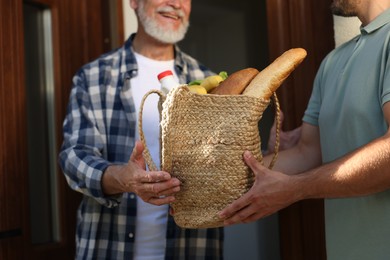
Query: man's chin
[(171, 41), (167, 37)]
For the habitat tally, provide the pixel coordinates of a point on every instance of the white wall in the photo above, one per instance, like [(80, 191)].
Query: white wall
[(130, 19), (345, 28)]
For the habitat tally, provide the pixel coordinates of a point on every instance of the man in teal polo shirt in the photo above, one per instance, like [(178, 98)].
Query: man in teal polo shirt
[(343, 154)]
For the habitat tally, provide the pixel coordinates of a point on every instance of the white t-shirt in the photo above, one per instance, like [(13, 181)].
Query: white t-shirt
[(151, 220)]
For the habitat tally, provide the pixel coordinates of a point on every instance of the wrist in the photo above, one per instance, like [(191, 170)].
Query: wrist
[(109, 182), (305, 186)]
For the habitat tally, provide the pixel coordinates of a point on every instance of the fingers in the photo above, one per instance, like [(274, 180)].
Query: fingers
[(237, 211), (137, 151), (246, 215), (158, 193), (137, 155), (162, 188), (158, 201), (245, 209), (152, 177), (155, 187), (251, 161), (295, 135)]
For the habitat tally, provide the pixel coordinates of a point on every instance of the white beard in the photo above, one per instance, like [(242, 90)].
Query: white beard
[(163, 34)]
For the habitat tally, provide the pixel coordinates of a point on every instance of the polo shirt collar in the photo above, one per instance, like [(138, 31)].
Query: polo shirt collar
[(378, 22)]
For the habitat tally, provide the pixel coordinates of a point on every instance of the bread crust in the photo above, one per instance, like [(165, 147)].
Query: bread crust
[(269, 80), (236, 82)]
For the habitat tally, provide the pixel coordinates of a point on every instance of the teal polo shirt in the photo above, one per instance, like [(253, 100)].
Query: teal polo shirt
[(351, 86)]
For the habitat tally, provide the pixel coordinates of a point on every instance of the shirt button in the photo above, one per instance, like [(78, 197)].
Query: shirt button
[(131, 235), (132, 196)]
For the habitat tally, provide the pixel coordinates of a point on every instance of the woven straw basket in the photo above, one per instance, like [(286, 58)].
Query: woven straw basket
[(203, 138)]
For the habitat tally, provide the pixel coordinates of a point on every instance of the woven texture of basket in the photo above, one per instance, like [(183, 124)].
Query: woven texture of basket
[(203, 138)]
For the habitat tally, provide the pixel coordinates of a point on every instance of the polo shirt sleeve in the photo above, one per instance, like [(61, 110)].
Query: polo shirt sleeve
[(313, 108), (385, 97)]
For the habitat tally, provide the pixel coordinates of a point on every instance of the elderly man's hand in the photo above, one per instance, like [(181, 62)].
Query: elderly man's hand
[(155, 187)]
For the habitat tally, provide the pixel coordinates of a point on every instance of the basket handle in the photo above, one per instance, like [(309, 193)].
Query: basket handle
[(277, 135), (148, 158)]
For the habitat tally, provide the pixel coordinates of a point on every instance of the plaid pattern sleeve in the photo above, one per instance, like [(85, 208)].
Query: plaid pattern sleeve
[(81, 157), (99, 130)]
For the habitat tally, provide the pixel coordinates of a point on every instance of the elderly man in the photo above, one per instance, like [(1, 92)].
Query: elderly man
[(124, 211)]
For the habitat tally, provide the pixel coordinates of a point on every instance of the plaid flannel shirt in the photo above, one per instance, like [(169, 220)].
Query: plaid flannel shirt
[(99, 130)]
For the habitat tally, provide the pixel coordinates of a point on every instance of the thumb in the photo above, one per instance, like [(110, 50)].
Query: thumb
[(136, 155), (251, 161)]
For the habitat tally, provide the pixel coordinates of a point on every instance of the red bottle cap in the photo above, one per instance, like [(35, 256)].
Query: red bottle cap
[(164, 74)]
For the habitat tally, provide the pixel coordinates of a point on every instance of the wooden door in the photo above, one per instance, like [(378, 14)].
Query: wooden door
[(12, 135), (307, 24), (59, 36)]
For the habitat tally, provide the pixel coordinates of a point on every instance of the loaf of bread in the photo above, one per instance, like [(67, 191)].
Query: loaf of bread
[(236, 82), (268, 80)]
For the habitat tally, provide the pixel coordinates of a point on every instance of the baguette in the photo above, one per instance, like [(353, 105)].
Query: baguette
[(269, 80), (236, 82)]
